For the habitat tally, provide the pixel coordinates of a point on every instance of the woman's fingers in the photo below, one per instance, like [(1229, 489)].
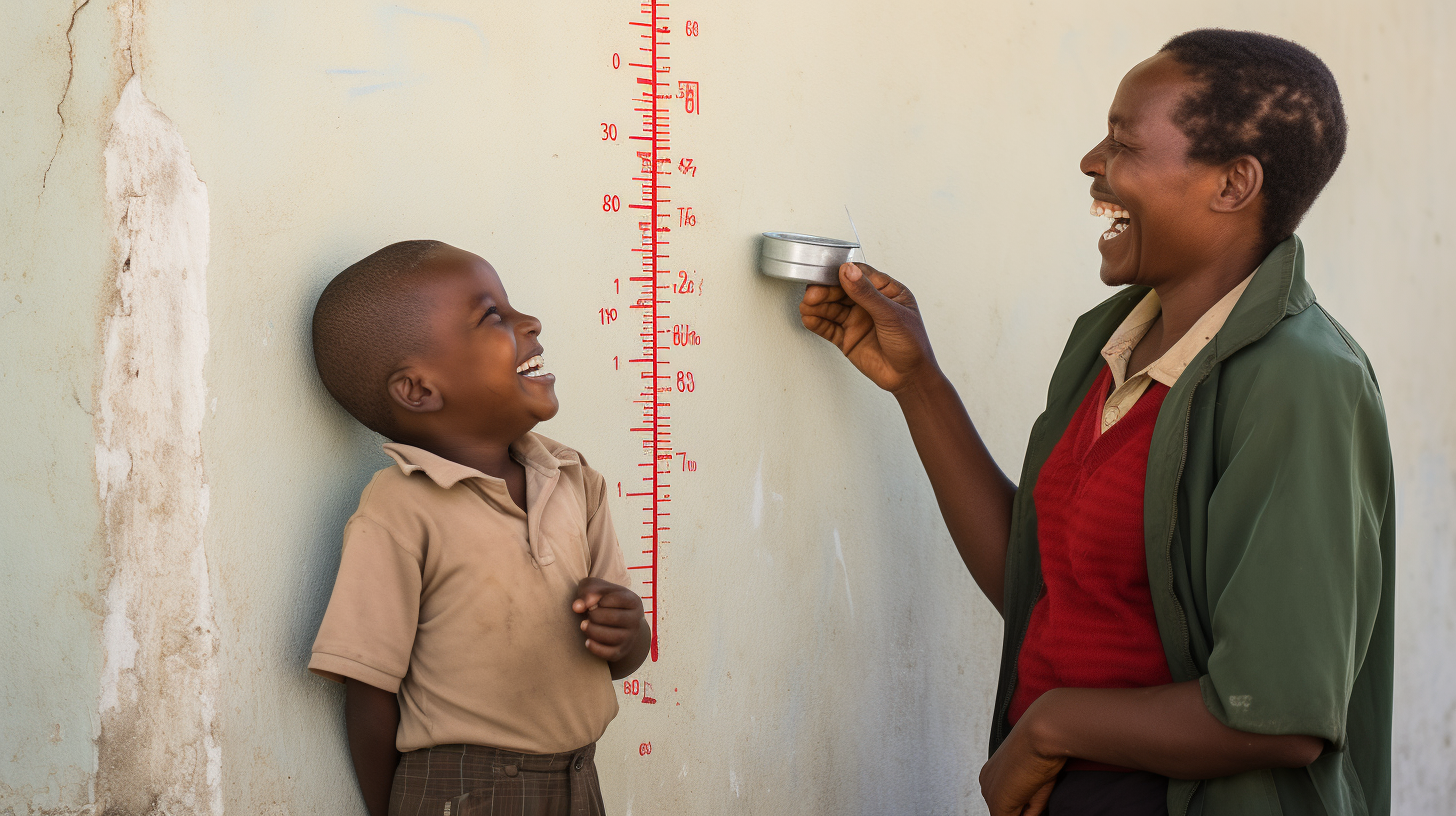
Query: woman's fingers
[(816, 293), (827, 329), (835, 311), (1039, 800)]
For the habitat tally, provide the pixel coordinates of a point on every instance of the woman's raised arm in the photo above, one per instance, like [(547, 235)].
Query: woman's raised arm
[(872, 318)]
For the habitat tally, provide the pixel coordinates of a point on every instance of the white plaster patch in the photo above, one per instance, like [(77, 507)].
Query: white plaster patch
[(733, 782), (118, 642), (157, 750)]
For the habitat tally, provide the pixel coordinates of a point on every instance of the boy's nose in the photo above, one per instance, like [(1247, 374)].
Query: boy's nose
[(530, 324)]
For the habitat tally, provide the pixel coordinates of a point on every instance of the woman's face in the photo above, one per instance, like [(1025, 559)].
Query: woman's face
[(1142, 171)]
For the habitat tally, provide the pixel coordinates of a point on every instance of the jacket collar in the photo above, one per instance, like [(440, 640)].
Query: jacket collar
[(531, 450), (1278, 289)]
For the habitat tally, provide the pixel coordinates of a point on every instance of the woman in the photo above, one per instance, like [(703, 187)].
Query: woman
[(1196, 568)]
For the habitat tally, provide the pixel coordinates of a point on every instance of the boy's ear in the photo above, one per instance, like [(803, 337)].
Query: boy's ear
[(1239, 184), (412, 391)]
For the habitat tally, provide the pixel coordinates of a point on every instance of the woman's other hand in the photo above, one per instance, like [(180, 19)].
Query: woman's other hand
[(873, 319), (1017, 780)]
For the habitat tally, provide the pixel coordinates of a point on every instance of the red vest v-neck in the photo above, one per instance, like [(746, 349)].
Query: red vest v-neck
[(1093, 626)]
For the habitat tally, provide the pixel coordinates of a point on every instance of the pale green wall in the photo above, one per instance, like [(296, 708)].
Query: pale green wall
[(810, 678), (52, 570)]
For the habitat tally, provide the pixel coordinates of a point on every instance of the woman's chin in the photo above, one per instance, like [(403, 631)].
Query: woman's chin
[(1112, 273)]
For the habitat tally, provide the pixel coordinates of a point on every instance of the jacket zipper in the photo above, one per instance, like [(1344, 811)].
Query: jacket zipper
[(1005, 706), (1168, 550)]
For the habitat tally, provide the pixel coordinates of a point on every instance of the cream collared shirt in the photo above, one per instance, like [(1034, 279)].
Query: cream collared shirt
[(459, 601), (1126, 391)]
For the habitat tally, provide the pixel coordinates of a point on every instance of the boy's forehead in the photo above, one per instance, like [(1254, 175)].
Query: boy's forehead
[(463, 270)]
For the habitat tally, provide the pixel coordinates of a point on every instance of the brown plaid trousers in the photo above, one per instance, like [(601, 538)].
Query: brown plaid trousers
[(472, 780)]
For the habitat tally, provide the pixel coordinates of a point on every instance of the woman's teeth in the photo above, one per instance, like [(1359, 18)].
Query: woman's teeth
[(1118, 216), (534, 367), (1108, 210)]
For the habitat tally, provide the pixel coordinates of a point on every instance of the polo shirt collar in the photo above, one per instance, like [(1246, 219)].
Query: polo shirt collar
[(1170, 366), (530, 450)]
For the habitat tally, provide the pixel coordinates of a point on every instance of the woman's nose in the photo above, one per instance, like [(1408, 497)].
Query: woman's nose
[(1093, 163)]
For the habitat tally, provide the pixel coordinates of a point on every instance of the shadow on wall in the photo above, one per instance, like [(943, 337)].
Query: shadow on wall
[(354, 453)]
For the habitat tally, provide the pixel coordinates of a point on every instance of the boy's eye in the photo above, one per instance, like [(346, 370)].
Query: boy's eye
[(488, 312)]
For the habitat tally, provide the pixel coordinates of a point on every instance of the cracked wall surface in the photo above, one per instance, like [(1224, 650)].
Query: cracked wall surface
[(180, 179)]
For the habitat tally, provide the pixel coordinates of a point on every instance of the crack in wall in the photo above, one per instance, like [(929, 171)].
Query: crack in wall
[(65, 92)]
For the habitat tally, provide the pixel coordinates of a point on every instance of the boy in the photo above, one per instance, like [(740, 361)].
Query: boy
[(480, 613), (1196, 570)]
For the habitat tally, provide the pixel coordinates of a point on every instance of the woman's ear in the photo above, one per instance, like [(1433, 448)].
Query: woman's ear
[(411, 390), (1239, 184)]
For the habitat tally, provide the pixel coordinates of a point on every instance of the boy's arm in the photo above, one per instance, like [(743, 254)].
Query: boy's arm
[(372, 717)]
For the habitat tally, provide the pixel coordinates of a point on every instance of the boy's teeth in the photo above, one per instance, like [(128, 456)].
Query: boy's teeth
[(534, 362), (1106, 210)]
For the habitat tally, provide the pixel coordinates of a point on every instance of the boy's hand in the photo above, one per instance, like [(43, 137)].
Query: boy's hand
[(614, 624)]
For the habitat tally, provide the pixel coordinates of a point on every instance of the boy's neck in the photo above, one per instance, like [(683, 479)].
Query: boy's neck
[(489, 456)]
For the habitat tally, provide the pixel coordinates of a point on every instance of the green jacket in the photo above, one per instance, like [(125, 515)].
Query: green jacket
[(1269, 522)]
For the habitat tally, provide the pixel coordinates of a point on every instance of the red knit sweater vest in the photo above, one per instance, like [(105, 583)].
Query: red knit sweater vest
[(1093, 626)]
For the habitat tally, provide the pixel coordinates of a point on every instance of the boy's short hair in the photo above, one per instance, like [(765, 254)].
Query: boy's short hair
[(1269, 98), (368, 320)]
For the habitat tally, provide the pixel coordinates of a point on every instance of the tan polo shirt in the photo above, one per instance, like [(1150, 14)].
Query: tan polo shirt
[(1126, 391), (451, 596)]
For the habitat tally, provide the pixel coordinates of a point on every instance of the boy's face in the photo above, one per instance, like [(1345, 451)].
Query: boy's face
[(1142, 168), (484, 356)]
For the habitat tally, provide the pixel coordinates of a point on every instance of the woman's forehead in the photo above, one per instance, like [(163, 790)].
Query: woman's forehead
[(1149, 92)]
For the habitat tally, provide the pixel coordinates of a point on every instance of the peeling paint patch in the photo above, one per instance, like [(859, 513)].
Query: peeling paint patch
[(157, 751)]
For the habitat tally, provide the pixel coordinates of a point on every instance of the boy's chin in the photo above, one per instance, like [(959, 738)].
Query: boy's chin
[(548, 409)]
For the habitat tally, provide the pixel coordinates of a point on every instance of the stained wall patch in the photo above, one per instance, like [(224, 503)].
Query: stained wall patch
[(157, 751)]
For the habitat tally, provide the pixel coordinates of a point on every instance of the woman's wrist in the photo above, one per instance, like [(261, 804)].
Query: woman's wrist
[(1044, 728), (926, 385)]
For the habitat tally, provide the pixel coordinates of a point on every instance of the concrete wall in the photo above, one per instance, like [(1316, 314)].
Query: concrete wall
[(181, 179)]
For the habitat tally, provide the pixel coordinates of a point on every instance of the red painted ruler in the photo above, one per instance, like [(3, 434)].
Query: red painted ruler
[(656, 283)]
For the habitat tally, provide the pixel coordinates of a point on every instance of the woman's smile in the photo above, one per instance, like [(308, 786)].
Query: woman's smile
[(1118, 218)]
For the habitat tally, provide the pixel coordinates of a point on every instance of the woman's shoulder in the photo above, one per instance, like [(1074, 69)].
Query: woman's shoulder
[(1308, 350)]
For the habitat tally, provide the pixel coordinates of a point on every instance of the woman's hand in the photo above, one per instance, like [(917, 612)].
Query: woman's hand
[(873, 319), (1018, 779)]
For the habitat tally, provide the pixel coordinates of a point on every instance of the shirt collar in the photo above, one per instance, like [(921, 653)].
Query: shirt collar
[(531, 450), (1170, 366)]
